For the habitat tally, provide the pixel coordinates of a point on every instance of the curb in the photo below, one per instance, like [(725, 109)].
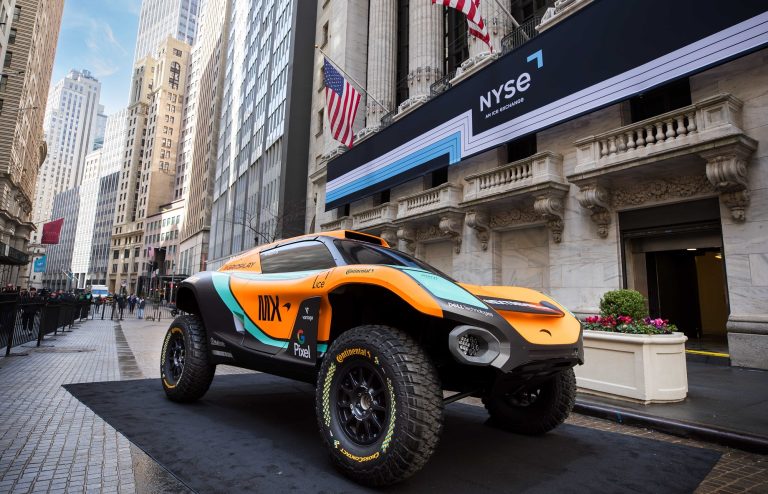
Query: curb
[(692, 430)]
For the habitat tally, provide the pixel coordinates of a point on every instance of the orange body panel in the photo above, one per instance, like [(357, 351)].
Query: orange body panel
[(248, 291), (564, 330)]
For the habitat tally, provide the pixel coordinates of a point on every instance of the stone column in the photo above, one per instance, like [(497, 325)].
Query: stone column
[(425, 50), (498, 24), (382, 59)]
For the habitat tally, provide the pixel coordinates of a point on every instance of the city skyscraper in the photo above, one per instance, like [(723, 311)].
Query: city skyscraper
[(70, 128), (95, 215), (162, 18), (148, 172), (260, 179), (29, 31), (200, 136)]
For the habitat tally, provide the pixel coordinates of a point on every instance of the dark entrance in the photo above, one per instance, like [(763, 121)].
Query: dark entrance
[(688, 288), (673, 255)]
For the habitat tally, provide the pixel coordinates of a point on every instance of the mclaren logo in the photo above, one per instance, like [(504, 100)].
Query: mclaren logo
[(545, 331)]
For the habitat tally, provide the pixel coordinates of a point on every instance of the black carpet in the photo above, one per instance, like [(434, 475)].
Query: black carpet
[(258, 433)]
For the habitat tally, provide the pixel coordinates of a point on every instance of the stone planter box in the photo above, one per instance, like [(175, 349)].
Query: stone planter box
[(639, 368)]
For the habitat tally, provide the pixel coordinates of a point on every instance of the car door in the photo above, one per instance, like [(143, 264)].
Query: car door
[(282, 303)]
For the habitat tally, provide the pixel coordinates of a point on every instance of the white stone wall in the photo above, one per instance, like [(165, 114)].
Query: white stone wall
[(745, 245)]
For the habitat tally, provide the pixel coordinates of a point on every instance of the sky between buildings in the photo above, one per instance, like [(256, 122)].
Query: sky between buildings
[(99, 35)]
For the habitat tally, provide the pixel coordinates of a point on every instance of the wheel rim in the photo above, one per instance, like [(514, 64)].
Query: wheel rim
[(174, 358), (524, 398), (362, 404)]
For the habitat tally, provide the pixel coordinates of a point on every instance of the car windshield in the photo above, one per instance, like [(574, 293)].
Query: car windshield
[(364, 253)]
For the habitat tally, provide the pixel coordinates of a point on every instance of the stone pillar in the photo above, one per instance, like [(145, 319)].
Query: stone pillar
[(425, 50), (498, 24), (382, 59)]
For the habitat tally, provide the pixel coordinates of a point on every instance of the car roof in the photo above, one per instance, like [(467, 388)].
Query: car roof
[(251, 261)]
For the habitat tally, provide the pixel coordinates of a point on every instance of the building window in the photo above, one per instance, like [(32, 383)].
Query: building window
[(8, 59), (3, 82), (16, 13), (116, 254), (437, 177), (320, 122), (175, 76), (661, 100), (382, 197), (455, 44), (176, 52), (12, 36), (324, 35), (521, 148)]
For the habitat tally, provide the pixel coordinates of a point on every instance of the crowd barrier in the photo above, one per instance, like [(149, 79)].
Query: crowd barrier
[(24, 320)]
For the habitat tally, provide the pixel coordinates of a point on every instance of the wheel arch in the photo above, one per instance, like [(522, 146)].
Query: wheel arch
[(357, 304), (186, 300)]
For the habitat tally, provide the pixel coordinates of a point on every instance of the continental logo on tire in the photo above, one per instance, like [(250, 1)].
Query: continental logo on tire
[(351, 352), (359, 459)]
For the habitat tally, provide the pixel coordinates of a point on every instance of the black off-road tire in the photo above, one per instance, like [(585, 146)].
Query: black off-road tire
[(196, 372), (552, 402), (409, 410)]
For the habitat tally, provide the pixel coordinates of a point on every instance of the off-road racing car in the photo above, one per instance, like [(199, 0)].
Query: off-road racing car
[(384, 337)]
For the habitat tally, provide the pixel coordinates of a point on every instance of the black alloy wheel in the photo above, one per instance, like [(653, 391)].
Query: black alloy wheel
[(361, 400), (536, 409), (185, 368), (174, 358)]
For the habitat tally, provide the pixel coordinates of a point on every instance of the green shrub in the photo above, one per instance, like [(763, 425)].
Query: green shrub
[(623, 303)]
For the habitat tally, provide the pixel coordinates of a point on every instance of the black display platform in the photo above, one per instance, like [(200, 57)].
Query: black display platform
[(257, 433)]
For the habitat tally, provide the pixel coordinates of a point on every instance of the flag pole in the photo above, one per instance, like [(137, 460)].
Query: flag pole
[(386, 110), (514, 21)]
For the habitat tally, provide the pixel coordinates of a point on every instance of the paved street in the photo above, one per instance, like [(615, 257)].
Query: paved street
[(50, 442)]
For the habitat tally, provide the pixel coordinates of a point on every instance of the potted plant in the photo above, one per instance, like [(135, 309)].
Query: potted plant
[(630, 356)]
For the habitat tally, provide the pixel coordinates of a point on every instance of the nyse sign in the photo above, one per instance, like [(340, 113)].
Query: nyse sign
[(609, 51)]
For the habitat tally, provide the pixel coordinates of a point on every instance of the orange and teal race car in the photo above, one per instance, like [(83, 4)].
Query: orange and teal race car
[(387, 339)]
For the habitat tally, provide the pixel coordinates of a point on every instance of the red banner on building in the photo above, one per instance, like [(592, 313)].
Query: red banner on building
[(52, 231)]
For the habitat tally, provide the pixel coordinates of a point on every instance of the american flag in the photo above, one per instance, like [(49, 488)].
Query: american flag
[(470, 8), (341, 101)]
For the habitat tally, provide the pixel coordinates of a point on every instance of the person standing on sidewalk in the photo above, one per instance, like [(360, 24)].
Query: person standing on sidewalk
[(28, 309), (141, 303)]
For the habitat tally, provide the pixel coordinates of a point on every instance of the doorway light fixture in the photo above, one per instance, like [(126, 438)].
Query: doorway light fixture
[(691, 249), (718, 256)]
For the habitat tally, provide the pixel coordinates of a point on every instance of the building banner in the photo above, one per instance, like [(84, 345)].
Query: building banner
[(52, 232), (40, 264), (607, 52)]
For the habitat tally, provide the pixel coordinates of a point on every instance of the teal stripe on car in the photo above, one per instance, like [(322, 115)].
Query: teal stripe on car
[(221, 284)]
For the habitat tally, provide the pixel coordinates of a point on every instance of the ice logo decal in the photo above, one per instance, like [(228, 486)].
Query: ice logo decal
[(300, 336)]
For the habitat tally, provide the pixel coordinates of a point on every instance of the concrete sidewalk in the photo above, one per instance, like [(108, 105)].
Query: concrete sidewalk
[(727, 405)]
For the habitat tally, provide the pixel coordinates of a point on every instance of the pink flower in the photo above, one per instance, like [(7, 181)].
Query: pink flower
[(625, 319), (592, 319)]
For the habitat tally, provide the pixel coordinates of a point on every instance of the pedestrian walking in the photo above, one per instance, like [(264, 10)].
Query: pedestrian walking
[(141, 303), (131, 303)]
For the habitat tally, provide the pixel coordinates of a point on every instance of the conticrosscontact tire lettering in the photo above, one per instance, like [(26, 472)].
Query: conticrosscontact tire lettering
[(379, 405)]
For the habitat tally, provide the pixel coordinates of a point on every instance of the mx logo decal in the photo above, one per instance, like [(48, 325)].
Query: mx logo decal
[(269, 308)]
